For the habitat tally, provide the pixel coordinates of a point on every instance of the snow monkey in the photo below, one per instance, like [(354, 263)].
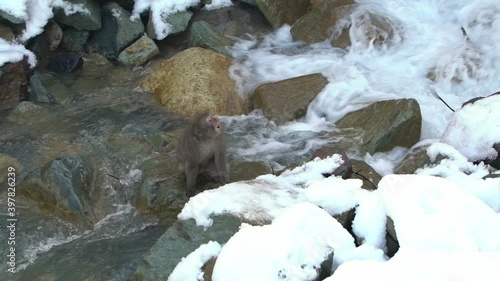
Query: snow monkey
[(201, 147)]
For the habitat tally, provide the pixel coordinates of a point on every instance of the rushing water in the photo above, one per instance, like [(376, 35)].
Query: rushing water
[(102, 115)]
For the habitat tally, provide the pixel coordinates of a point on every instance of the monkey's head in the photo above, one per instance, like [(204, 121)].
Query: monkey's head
[(206, 125)]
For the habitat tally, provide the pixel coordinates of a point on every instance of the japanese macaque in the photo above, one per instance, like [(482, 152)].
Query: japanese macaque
[(202, 147)]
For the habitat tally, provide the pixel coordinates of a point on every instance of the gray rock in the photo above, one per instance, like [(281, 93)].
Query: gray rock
[(27, 107), (6, 33), (11, 18), (386, 124), (140, 52), (180, 240), (117, 32), (204, 35), (251, 2), (178, 21), (345, 170), (79, 20), (74, 40), (64, 186), (279, 12), (288, 100), (415, 159), (54, 35), (38, 92)]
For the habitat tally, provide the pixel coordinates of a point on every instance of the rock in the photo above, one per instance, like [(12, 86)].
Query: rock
[(180, 240), (386, 124), (54, 35), (279, 12), (26, 107), (345, 170), (204, 35), (6, 162), (11, 18), (67, 187), (117, 31), (82, 20), (415, 159), (236, 20), (178, 23), (65, 63), (317, 25), (208, 269), (391, 238), (489, 176), (74, 40), (251, 2), (368, 28), (243, 171), (195, 80), (13, 84), (365, 173), (6, 33), (473, 100), (287, 100), (38, 92), (140, 52)]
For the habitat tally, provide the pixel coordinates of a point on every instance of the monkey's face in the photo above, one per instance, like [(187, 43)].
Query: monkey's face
[(214, 123)]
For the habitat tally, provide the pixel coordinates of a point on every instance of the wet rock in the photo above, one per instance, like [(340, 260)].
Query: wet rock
[(117, 31), (208, 269), (317, 25), (38, 92), (345, 170), (66, 63), (178, 23), (26, 107), (368, 28), (365, 173), (74, 40), (386, 124), (204, 35), (82, 20), (236, 20), (140, 52), (251, 2), (180, 240), (66, 187), (13, 84), (6, 33), (54, 35), (279, 12), (11, 18), (6, 162), (287, 100), (415, 159), (95, 65), (195, 80)]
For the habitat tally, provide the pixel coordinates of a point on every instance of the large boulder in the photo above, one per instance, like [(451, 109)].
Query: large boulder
[(118, 31), (318, 24), (279, 12), (180, 240), (202, 34), (196, 80), (386, 124), (90, 20), (288, 99)]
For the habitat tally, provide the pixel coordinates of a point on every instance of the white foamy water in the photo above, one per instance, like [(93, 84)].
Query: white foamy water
[(430, 40)]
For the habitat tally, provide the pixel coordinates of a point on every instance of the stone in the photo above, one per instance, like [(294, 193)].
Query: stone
[(6, 33), (318, 24), (366, 173), (195, 80), (287, 100), (25, 107), (81, 20), (178, 241), (13, 85), (178, 23), (38, 92), (279, 12), (54, 35), (11, 18), (204, 35), (250, 2), (386, 124), (74, 40), (8, 162), (140, 52), (65, 63), (117, 31), (415, 159), (345, 170)]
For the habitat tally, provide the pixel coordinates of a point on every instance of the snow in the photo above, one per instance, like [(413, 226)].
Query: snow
[(12, 52), (189, 269)]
